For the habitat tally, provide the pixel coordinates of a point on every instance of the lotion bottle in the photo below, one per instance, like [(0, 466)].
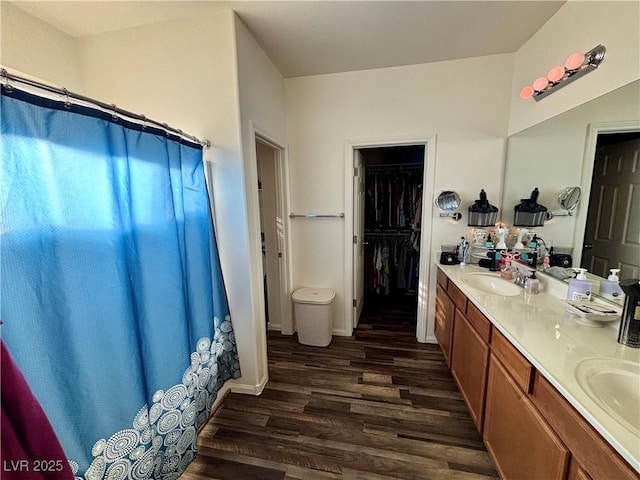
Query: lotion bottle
[(610, 288), (579, 288), (532, 285)]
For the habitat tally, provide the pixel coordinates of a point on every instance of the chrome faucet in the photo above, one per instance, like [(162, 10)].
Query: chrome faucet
[(521, 279)]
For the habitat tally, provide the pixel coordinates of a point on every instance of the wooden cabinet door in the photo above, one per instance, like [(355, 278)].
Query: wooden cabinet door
[(444, 322), (521, 443), (595, 456), (470, 356)]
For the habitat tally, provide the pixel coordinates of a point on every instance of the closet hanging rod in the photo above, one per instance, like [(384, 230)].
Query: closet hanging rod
[(404, 166), (388, 234), (316, 215), (7, 78)]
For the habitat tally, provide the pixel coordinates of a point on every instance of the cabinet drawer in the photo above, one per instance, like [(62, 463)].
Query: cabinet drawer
[(518, 366), (479, 322), (459, 298), (592, 452), (443, 280)]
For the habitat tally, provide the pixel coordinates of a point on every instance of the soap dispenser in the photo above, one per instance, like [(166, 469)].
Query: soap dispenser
[(610, 288), (579, 287)]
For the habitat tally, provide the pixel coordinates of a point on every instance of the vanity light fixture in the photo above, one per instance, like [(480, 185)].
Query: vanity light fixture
[(575, 66)]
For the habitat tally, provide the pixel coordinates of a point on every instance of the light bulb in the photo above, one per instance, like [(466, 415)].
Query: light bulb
[(526, 92), (556, 74), (540, 84), (574, 61)]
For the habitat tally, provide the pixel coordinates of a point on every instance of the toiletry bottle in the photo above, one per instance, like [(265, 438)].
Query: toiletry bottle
[(465, 252), (461, 250), (506, 270), (610, 288), (579, 288), (533, 284)]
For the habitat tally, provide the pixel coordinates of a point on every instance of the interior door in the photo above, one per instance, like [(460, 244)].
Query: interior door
[(272, 231), (358, 235), (612, 234)]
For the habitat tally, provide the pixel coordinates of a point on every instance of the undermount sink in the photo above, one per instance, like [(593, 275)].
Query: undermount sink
[(614, 385), (492, 283)]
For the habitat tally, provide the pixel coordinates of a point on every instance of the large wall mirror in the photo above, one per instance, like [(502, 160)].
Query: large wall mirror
[(561, 152)]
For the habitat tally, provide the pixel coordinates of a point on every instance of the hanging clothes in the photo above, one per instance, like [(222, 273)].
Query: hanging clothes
[(393, 210), (390, 265), (393, 198)]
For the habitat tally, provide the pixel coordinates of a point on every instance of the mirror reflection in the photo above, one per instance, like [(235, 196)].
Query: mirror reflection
[(586, 147), (569, 198)]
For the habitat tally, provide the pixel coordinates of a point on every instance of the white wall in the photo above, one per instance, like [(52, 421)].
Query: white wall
[(31, 46), (465, 103), (261, 94), (577, 27), (184, 72)]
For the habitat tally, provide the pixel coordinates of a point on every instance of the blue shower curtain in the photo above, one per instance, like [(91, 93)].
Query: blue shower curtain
[(113, 302)]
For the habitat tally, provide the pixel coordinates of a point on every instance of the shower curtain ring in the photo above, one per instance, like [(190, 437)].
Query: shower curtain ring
[(114, 116), (144, 122), (166, 130), (67, 103), (7, 85)]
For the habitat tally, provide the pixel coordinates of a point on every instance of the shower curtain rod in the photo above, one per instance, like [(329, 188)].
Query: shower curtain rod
[(10, 77)]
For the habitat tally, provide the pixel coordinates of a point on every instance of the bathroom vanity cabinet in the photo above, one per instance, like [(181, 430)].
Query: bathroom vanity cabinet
[(530, 430)]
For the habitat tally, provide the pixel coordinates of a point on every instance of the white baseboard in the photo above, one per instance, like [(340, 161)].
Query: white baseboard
[(274, 326), (431, 339), (246, 389)]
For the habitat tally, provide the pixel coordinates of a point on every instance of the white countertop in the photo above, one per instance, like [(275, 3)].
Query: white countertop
[(554, 343)]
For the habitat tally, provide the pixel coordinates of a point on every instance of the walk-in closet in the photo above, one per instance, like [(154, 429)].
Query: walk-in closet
[(392, 229)]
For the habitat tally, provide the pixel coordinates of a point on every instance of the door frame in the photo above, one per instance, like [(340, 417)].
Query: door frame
[(593, 130), (282, 191), (428, 184)]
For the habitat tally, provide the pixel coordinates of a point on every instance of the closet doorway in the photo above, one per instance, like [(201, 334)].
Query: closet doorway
[(269, 159), (388, 202)]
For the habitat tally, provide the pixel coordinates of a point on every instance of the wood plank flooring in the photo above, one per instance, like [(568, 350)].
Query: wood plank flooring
[(375, 406)]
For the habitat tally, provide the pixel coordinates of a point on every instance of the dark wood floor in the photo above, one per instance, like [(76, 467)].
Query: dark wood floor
[(375, 406)]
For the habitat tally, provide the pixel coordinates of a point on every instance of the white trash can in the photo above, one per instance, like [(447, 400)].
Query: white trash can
[(314, 315)]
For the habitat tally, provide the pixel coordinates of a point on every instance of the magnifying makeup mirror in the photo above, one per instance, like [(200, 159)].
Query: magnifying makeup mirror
[(449, 201), (568, 200)]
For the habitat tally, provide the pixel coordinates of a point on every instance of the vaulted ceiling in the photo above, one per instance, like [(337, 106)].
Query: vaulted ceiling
[(316, 37)]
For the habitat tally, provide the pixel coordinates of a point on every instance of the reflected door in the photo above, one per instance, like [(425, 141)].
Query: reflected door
[(612, 234)]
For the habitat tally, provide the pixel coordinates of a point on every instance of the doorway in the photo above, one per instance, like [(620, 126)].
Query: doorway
[(388, 200), (354, 238), (269, 159), (612, 225)]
